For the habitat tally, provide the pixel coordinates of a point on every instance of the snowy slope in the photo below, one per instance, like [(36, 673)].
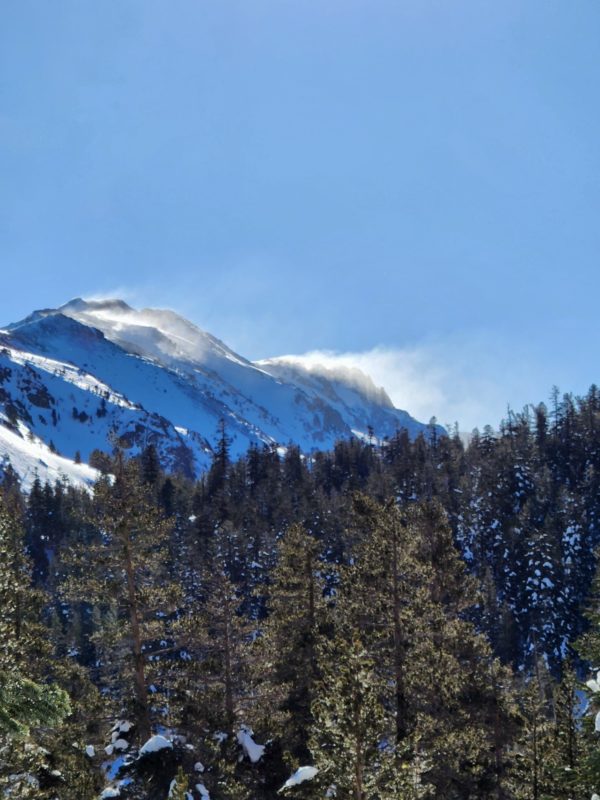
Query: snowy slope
[(91, 373), (31, 458), (349, 392)]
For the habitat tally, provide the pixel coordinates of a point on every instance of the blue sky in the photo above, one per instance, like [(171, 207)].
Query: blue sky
[(415, 183)]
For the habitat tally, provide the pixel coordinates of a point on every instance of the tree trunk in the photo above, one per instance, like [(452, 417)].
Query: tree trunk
[(311, 619), (358, 760), (535, 758), (401, 722), (227, 654), (141, 691)]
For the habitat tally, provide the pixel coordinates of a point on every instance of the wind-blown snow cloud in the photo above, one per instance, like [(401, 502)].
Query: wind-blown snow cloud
[(469, 382), (128, 294)]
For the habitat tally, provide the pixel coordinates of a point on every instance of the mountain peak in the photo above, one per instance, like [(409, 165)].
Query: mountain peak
[(156, 333), (78, 305)]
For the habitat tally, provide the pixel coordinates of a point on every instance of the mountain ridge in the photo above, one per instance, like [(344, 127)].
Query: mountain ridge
[(89, 373)]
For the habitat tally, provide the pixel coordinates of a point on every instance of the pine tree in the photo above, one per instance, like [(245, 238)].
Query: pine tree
[(569, 745), (532, 773), (212, 680), (287, 646), (216, 480), (348, 736), (150, 466), (588, 646), (23, 702), (179, 786), (407, 593), (120, 566), (28, 699)]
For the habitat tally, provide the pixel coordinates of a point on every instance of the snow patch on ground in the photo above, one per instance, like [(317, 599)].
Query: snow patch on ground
[(251, 749), (302, 774), (154, 744)]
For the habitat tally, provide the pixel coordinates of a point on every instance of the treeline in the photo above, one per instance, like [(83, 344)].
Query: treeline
[(408, 617)]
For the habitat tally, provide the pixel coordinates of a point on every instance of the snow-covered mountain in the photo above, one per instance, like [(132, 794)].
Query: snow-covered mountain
[(93, 373)]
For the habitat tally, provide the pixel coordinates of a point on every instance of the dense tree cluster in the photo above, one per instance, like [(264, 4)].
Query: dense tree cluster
[(405, 618)]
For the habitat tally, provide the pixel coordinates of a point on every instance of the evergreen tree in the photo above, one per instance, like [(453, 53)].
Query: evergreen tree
[(406, 593), (287, 646), (28, 700), (216, 480), (213, 679), (569, 745), (120, 566), (150, 466), (588, 646), (348, 737), (23, 702), (179, 786)]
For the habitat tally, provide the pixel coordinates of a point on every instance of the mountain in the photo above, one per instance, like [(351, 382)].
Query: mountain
[(93, 373)]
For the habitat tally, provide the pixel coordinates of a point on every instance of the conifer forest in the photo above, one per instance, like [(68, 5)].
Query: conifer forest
[(396, 618)]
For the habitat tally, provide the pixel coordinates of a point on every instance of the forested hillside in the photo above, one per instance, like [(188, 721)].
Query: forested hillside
[(395, 618)]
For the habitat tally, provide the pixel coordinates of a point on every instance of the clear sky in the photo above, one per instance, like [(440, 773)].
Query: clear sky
[(416, 183)]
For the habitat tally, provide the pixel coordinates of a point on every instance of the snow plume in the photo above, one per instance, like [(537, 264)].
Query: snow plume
[(456, 380), (123, 292), (158, 333), (411, 379), (334, 367)]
